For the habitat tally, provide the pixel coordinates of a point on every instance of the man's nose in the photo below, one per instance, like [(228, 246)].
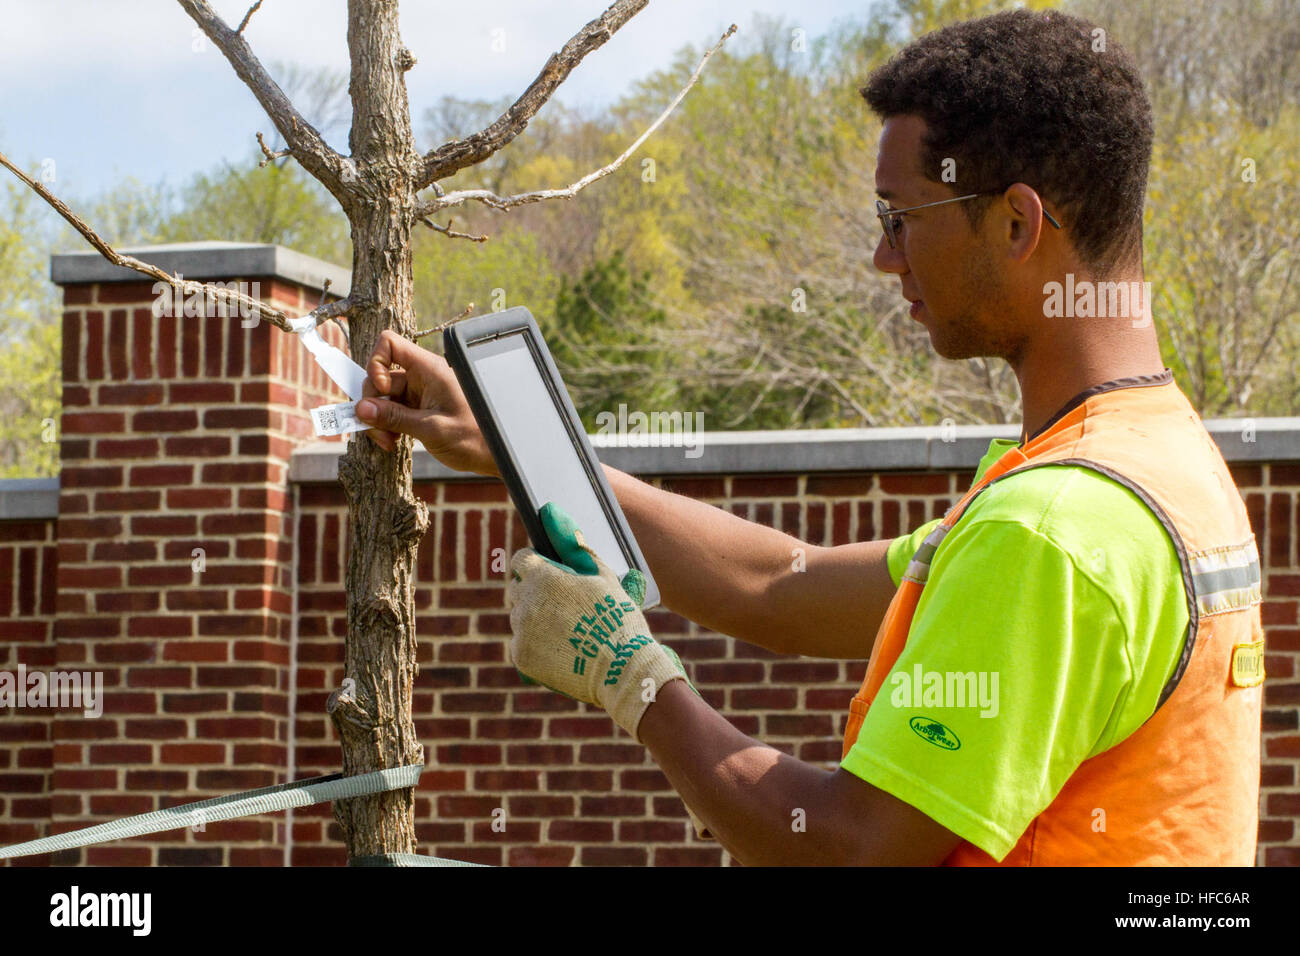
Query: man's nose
[(887, 259)]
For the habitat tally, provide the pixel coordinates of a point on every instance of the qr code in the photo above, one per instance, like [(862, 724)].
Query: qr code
[(337, 419)]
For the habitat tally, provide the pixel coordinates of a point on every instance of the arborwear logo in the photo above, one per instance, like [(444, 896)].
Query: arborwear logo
[(933, 732)]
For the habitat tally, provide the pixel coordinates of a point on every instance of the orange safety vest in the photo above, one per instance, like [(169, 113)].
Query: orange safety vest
[(1183, 789)]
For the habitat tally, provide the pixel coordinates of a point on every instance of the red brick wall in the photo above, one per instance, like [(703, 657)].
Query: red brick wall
[(574, 788), (28, 589), (177, 435), (1272, 494)]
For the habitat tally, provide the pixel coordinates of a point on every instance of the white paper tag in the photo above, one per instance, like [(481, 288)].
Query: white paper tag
[(344, 372), (337, 419)]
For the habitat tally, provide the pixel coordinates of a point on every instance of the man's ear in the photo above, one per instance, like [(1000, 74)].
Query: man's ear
[(1024, 209)]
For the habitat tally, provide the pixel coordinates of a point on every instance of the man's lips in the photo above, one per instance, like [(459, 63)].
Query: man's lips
[(917, 306)]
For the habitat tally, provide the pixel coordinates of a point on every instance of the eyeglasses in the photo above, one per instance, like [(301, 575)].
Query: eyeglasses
[(887, 215)]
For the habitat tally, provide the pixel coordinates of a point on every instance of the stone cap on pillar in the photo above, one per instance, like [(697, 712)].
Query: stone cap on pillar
[(205, 260)]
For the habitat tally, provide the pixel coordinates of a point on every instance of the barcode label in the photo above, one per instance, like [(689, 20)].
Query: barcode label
[(337, 419)]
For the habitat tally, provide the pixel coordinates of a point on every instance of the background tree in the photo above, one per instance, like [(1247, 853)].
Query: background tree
[(29, 342), (1222, 222)]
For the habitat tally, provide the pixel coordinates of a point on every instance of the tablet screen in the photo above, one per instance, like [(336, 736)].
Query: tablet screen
[(543, 447)]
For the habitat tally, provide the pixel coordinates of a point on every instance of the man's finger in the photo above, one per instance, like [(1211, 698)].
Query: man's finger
[(390, 350), (396, 385), (385, 440), (391, 416), (525, 561), (567, 540)]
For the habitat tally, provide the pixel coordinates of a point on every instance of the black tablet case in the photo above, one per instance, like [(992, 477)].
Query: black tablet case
[(457, 339)]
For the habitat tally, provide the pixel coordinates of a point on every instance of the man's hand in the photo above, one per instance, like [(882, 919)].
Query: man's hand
[(579, 630), (411, 391)]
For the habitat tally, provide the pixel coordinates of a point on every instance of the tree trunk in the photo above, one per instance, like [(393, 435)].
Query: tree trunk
[(372, 711)]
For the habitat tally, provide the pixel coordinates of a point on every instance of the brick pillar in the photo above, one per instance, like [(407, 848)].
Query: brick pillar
[(175, 541)]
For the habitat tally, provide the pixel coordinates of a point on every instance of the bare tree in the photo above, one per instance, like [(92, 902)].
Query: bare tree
[(378, 186), (1223, 241)]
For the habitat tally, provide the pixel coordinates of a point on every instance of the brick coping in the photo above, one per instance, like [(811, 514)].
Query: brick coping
[(754, 452), (204, 261), (28, 498), (927, 448)]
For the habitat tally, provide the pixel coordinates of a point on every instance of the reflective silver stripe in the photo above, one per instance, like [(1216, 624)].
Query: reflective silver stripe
[(1226, 578), (1216, 559), (1227, 601), (918, 569)]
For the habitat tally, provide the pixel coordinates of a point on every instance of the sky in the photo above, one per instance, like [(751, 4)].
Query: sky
[(111, 88)]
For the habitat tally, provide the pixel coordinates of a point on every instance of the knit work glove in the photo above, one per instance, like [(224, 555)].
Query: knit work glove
[(579, 630)]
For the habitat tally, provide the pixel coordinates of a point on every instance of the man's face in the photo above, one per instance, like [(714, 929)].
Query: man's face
[(944, 265)]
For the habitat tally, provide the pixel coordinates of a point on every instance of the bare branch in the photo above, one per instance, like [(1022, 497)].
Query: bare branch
[(449, 232), (438, 328), (457, 154), (270, 154), (308, 147), (489, 198), (184, 286), (336, 319), (248, 16)]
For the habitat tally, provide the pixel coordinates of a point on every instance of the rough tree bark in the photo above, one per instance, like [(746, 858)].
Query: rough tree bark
[(386, 521), (378, 187)]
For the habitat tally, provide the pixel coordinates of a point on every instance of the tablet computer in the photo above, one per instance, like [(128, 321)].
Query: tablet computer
[(533, 431)]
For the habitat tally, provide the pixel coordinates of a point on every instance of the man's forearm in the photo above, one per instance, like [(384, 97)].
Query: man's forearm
[(755, 800), (753, 582), (711, 566), (767, 808)]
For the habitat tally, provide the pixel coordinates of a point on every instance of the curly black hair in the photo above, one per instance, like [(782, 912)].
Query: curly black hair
[(1046, 99)]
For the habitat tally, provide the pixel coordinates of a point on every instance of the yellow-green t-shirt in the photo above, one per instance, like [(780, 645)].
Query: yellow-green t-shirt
[(1053, 615)]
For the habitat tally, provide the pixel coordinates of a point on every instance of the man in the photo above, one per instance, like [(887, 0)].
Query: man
[(1090, 608)]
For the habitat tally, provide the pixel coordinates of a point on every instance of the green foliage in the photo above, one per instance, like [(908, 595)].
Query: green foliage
[(1222, 228), (29, 341), (511, 269), (26, 296), (29, 409), (603, 338), (278, 203), (1222, 251), (131, 213), (919, 17)]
